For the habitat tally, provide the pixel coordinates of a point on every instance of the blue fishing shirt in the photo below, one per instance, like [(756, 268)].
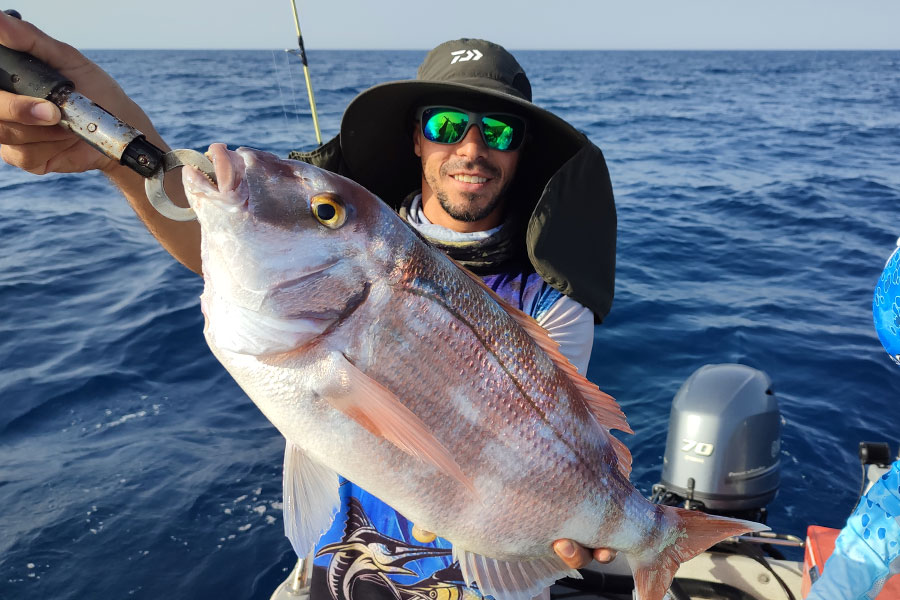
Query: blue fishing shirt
[(370, 552)]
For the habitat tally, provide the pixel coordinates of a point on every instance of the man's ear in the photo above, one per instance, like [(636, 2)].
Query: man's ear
[(417, 139)]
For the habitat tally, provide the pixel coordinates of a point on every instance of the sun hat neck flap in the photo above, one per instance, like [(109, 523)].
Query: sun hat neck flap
[(562, 188)]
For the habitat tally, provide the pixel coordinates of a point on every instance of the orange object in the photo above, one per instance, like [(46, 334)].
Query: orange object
[(819, 546)]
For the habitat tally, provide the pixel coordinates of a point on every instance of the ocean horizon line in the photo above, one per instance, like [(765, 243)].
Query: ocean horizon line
[(314, 50)]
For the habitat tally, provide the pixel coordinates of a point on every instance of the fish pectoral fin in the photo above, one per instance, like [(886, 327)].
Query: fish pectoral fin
[(511, 580), (311, 499), (378, 409)]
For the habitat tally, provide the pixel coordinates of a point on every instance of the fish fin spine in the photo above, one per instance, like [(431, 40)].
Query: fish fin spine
[(311, 499), (603, 406), (511, 580), (623, 456), (698, 531)]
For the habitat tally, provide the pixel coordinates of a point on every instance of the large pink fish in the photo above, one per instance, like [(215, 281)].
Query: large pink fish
[(380, 359)]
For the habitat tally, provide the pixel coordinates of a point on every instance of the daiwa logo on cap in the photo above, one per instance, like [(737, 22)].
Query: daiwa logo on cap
[(469, 55)]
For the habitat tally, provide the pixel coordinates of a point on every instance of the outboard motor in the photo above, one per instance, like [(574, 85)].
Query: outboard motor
[(724, 442)]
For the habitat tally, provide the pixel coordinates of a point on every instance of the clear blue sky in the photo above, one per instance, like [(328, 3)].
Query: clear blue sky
[(523, 24)]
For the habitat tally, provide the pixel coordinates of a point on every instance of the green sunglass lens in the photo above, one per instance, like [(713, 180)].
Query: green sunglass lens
[(497, 134), (445, 127)]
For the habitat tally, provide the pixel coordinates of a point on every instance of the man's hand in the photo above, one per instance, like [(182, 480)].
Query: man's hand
[(573, 554), (577, 556), (30, 139), (28, 134)]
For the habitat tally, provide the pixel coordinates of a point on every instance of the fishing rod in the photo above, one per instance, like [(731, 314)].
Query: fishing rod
[(301, 51)]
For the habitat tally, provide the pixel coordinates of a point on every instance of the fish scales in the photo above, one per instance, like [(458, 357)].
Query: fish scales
[(516, 482), (517, 399), (350, 332), (541, 388)]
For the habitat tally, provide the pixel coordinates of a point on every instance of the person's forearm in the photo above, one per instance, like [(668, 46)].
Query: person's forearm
[(180, 238), (31, 140)]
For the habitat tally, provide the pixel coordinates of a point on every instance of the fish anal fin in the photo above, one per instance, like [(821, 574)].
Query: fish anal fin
[(379, 411), (311, 499), (511, 580), (603, 406), (653, 576)]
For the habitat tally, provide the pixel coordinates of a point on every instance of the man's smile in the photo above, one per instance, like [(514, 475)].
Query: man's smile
[(469, 178)]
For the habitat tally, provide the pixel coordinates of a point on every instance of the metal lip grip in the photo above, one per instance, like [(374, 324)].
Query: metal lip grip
[(23, 74), (156, 193)]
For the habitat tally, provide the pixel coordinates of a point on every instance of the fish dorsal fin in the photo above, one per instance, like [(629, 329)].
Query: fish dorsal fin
[(623, 456), (603, 406), (376, 408), (511, 580), (311, 499)]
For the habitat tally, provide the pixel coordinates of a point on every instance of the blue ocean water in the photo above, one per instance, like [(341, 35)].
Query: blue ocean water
[(757, 195)]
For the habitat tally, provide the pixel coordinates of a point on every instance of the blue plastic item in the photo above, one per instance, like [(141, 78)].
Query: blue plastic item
[(867, 551), (886, 306)]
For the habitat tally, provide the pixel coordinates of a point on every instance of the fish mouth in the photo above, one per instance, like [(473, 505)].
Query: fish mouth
[(231, 193)]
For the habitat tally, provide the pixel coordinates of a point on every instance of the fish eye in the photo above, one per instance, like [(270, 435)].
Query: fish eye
[(328, 209)]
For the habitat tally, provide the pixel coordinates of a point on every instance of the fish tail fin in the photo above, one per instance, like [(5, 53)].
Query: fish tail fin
[(695, 531)]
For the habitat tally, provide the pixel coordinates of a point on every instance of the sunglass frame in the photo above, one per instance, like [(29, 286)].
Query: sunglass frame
[(476, 118)]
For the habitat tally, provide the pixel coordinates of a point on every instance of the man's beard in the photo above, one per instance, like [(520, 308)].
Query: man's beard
[(470, 212)]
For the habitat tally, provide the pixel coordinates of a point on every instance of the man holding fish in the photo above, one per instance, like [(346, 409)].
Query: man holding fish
[(505, 188)]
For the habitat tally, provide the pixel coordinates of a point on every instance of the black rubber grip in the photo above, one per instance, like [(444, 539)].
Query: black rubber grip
[(21, 73), (142, 157)]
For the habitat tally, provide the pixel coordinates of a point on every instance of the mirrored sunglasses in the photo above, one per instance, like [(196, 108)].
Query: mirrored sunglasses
[(449, 125)]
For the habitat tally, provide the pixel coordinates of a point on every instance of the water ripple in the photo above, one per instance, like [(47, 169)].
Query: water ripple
[(754, 194)]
